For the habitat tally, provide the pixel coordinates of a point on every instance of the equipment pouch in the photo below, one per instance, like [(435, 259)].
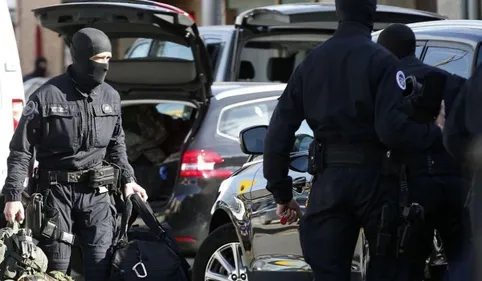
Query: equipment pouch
[(315, 158), (102, 177)]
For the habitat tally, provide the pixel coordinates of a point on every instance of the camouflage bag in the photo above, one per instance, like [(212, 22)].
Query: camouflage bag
[(19, 255), (52, 276)]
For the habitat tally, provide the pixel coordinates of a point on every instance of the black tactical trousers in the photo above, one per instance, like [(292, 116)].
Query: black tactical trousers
[(343, 200), (76, 208), (444, 200)]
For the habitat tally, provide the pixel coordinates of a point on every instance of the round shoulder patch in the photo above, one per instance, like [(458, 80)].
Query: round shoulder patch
[(28, 109), (400, 76)]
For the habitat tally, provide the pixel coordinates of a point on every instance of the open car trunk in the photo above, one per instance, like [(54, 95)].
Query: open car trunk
[(155, 131), (148, 86)]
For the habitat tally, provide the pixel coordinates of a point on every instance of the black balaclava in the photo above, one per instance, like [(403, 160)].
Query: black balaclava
[(85, 44), (399, 39), (40, 68), (359, 11)]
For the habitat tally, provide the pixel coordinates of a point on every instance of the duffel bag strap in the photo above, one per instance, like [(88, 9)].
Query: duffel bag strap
[(124, 225)]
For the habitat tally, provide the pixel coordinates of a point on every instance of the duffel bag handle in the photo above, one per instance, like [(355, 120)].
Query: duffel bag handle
[(143, 210)]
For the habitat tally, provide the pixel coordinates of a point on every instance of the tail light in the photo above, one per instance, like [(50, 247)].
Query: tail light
[(17, 108), (201, 164)]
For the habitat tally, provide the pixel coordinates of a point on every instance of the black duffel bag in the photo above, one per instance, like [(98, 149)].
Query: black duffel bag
[(146, 254)]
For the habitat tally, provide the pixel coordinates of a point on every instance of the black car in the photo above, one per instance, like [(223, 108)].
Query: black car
[(246, 239), (265, 44)]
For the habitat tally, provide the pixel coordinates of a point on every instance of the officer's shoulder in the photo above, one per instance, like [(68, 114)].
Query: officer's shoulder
[(109, 91), (50, 87)]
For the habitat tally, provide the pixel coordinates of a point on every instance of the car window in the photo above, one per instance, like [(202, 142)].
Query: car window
[(235, 118), (272, 61), (166, 49), (479, 56), (453, 60), (140, 51), (214, 48), (175, 110), (418, 51)]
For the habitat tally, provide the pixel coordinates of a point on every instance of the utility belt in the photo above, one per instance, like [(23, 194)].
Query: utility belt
[(104, 178), (101, 179), (322, 154)]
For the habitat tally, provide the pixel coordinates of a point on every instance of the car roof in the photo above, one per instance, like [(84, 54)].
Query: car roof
[(470, 30), (223, 90)]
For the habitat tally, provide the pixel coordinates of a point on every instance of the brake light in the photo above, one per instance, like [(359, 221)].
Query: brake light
[(200, 164), (17, 108), (175, 9), (182, 239)]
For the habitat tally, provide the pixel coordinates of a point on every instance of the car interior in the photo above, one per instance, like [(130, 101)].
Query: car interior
[(273, 58)]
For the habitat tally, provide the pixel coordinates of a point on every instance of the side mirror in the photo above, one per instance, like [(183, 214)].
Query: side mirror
[(299, 164), (252, 139), (302, 142)]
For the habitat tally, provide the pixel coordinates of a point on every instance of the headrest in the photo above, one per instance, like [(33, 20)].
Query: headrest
[(246, 70), (280, 69)]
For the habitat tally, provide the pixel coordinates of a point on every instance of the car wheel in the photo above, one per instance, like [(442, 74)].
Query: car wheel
[(220, 257)]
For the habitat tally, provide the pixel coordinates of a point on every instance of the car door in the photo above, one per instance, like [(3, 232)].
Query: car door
[(454, 57), (276, 247)]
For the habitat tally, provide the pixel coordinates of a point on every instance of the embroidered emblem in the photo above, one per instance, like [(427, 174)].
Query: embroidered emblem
[(29, 109), (401, 80), (106, 108)]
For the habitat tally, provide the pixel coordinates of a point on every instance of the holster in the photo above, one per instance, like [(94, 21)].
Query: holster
[(385, 238), (315, 158), (34, 214)]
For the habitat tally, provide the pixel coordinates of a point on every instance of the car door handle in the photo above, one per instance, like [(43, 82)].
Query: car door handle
[(299, 184)]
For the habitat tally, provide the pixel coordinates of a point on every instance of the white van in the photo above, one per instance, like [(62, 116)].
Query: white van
[(11, 87)]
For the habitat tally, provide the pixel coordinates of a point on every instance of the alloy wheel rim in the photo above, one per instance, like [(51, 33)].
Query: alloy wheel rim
[(226, 264)]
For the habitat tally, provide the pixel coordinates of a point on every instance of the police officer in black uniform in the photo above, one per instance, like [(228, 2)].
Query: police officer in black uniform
[(435, 180), (73, 121), (349, 89), (462, 138)]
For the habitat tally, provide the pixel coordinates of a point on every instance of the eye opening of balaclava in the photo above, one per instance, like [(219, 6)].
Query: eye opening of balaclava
[(359, 11), (85, 44), (399, 39)]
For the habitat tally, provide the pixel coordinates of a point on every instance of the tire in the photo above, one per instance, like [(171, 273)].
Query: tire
[(222, 237)]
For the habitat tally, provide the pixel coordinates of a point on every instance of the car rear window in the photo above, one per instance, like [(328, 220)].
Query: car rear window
[(152, 49), (234, 118)]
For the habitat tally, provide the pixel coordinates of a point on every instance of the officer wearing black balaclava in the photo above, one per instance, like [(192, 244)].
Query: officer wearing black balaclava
[(463, 140), (349, 90), (434, 178), (74, 123)]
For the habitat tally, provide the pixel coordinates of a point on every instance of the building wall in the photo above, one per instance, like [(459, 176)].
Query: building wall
[(54, 50), (25, 30)]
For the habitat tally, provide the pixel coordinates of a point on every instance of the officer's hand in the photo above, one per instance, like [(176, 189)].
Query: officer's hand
[(14, 211), (290, 211), (133, 187), (440, 121)]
